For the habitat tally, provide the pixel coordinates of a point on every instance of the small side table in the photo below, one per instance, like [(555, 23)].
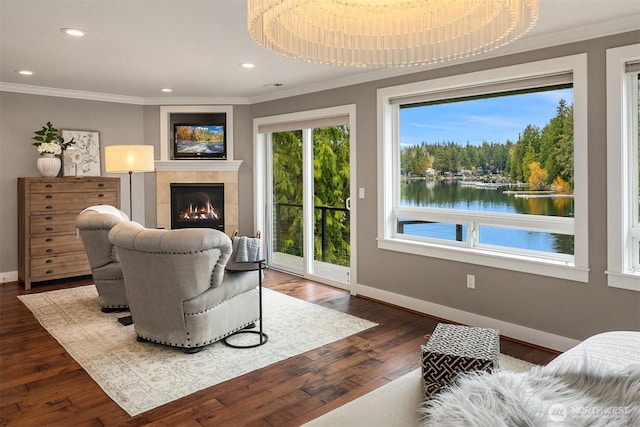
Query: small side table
[(250, 266)]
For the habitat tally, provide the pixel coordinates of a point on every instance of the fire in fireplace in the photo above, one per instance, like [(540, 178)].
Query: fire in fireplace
[(197, 206)]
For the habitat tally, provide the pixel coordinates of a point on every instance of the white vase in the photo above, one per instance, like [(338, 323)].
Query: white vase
[(48, 165)]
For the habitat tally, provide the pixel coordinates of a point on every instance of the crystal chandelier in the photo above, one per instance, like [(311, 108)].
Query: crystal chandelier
[(387, 33)]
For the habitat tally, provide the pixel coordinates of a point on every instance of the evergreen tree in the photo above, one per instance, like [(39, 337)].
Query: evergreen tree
[(331, 176), (564, 152), (531, 142), (287, 190), (331, 189), (551, 135)]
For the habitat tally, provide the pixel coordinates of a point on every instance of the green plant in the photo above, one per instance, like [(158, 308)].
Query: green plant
[(50, 135)]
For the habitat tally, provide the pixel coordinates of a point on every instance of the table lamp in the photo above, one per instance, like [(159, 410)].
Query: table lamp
[(129, 158)]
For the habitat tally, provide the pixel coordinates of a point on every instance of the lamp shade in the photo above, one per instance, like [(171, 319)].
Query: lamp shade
[(129, 158)]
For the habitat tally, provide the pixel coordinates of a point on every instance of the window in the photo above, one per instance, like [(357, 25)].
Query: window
[(623, 168), (463, 190)]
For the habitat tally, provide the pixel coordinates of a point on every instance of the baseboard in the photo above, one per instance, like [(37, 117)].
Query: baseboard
[(518, 332), (8, 276)]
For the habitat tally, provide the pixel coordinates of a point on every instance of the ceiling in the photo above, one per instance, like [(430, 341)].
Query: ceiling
[(134, 48)]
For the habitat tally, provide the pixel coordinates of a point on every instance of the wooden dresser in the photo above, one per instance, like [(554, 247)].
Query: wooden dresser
[(48, 244)]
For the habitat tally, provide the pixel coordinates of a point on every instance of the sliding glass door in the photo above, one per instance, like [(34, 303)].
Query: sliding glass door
[(308, 189)]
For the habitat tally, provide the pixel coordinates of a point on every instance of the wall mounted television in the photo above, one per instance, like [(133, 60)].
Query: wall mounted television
[(200, 140)]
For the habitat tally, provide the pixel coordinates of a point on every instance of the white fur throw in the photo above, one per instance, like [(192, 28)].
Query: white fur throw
[(593, 396)]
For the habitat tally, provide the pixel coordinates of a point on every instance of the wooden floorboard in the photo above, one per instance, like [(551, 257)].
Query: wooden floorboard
[(41, 385)]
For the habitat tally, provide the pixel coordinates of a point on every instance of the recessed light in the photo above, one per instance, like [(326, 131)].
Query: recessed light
[(248, 65), (25, 72), (75, 32), (166, 89)]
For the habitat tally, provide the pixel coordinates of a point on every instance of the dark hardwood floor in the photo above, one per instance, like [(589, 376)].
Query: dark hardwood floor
[(41, 385)]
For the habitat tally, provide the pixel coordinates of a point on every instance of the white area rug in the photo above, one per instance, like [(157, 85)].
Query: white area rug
[(395, 404), (142, 376)]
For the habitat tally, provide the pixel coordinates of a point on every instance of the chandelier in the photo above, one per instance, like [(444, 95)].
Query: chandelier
[(387, 33)]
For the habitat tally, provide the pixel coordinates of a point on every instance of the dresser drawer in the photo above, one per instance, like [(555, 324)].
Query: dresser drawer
[(48, 243), (60, 186), (53, 224), (55, 267), (70, 202), (56, 244)]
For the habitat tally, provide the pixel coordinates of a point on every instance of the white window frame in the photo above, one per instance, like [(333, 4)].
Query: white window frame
[(623, 231), (574, 267)]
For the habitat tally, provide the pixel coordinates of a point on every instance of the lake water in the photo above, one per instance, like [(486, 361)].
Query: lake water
[(453, 195)]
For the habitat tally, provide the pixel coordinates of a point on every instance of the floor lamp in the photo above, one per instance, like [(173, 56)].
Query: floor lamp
[(129, 158)]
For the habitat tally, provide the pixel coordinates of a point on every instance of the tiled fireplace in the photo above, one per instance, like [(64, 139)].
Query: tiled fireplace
[(164, 179), (170, 171)]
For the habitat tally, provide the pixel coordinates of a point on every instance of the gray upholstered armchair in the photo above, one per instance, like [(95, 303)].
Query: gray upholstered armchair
[(94, 224), (178, 290)]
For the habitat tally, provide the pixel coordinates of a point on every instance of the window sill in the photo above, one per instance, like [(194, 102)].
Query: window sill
[(523, 264), (627, 281)]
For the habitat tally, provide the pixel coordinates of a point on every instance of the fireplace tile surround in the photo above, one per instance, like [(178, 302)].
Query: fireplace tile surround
[(163, 193)]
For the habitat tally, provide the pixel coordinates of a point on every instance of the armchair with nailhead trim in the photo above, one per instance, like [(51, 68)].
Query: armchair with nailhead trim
[(178, 290), (94, 225)]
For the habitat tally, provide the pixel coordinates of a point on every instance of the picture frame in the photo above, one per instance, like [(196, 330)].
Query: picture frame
[(83, 157)]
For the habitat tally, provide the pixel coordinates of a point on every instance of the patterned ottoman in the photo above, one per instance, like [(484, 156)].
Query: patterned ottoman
[(454, 349)]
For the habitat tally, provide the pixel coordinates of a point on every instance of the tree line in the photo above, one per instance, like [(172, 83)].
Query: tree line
[(196, 133), (541, 157)]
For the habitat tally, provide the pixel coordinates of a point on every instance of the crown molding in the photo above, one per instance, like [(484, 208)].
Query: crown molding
[(195, 100), (68, 93), (579, 34), (122, 99)]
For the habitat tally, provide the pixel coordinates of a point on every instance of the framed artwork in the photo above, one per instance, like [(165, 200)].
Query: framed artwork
[(83, 157)]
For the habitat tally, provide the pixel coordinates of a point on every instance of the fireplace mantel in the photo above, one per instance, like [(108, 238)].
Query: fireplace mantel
[(198, 165)]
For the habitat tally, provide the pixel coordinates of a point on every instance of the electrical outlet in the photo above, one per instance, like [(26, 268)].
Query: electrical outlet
[(471, 281)]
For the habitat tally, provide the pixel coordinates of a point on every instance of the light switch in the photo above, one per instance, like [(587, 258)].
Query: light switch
[(361, 192)]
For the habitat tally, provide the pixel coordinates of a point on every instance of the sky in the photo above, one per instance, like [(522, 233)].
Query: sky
[(491, 119)]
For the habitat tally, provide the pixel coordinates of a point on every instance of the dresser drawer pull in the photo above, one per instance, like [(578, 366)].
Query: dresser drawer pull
[(48, 218), (100, 195), (49, 228), (48, 207), (49, 239), (48, 196), (49, 261), (101, 185), (49, 250), (49, 186), (49, 271)]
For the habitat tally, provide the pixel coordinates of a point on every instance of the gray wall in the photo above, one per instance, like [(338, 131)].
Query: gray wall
[(20, 116), (566, 308)]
